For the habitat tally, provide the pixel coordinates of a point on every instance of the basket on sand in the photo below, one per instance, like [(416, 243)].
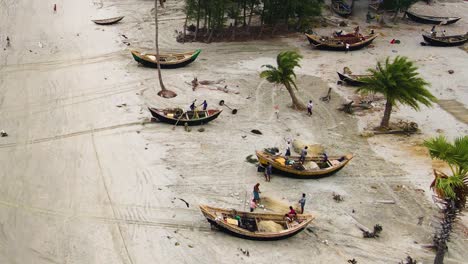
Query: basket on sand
[(313, 149), (269, 226)]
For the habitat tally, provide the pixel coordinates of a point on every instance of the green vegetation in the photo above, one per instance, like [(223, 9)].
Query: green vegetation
[(212, 16), (284, 74), (399, 83)]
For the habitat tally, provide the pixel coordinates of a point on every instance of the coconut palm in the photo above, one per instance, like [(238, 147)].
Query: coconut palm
[(399, 82), (453, 189), (284, 74), (164, 92), (455, 186)]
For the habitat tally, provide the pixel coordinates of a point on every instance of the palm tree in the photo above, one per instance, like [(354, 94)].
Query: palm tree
[(453, 189), (456, 156), (164, 92), (399, 83), (284, 74)]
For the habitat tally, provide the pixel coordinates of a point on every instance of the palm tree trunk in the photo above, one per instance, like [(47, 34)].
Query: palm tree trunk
[(161, 84), (439, 258), (387, 112), (296, 103)]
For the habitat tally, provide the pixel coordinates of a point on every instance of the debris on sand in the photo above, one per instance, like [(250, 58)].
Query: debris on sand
[(245, 252), (186, 203), (3, 133), (377, 229), (249, 159), (256, 131), (338, 198), (352, 261), (312, 148), (408, 260), (451, 71), (202, 129)]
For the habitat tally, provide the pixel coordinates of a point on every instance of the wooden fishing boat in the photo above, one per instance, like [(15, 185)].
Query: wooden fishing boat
[(251, 225), (313, 167), (432, 19), (352, 79), (339, 43), (180, 118), (342, 8), (108, 21), (168, 60), (447, 41)]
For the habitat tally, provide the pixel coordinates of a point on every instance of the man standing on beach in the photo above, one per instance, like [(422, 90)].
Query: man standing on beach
[(8, 41), (310, 105), (268, 171), (303, 154), (256, 192), (288, 149), (302, 202)]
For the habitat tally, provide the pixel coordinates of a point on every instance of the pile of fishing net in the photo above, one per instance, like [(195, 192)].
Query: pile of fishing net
[(269, 226)]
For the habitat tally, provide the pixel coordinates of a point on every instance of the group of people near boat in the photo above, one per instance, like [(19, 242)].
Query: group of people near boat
[(290, 216), (194, 108)]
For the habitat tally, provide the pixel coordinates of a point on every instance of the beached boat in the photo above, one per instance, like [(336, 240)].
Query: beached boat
[(255, 226), (432, 19), (168, 60), (447, 41), (179, 117), (108, 21), (313, 167), (342, 8), (339, 43), (352, 79)]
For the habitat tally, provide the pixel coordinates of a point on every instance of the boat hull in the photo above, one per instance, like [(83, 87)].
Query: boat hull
[(150, 64), (230, 232), (439, 43), (182, 122), (108, 21), (298, 174), (432, 20), (324, 46), (350, 81)]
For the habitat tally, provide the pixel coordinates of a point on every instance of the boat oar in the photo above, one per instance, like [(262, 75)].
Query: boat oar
[(234, 111), (173, 128)]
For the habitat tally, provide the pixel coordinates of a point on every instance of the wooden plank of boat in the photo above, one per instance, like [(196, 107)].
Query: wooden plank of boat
[(339, 43), (431, 19), (167, 60), (224, 219), (298, 170), (341, 8), (351, 79), (180, 118), (108, 21), (446, 41)]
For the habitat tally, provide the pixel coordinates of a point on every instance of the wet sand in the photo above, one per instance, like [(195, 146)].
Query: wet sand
[(85, 181)]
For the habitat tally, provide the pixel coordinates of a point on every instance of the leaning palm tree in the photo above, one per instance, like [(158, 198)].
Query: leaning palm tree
[(164, 92), (399, 82), (451, 189), (284, 74)]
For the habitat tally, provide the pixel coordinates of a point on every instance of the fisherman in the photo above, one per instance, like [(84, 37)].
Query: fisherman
[(443, 33), (303, 154), (369, 17), (205, 105), (292, 213), (3, 133), (277, 111), (55, 7), (433, 31), (192, 106), (8, 41), (256, 192), (253, 205), (310, 105), (288, 149), (268, 171), (302, 202), (356, 31), (347, 47)]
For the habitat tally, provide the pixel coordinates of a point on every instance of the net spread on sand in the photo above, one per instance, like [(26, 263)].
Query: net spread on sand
[(269, 226)]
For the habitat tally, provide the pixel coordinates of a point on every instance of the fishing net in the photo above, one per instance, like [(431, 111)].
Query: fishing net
[(269, 226)]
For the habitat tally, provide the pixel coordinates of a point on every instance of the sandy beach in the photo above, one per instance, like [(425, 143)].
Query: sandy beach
[(86, 177)]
